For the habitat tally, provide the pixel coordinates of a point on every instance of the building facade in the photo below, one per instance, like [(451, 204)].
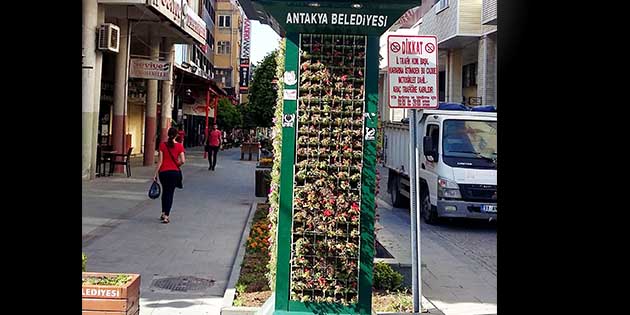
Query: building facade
[(467, 34), (129, 73), (227, 35)]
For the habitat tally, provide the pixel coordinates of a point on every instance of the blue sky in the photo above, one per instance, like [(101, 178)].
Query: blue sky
[(263, 41)]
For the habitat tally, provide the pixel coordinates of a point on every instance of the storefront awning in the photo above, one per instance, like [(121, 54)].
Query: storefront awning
[(186, 79)]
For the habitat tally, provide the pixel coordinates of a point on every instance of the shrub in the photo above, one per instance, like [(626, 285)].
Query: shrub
[(386, 278), (84, 261)]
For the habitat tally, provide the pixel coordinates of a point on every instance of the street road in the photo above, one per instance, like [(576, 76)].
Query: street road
[(459, 258)]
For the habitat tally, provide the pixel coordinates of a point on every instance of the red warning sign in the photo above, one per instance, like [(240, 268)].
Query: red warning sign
[(413, 71)]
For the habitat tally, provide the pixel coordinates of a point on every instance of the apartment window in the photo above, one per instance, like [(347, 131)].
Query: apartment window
[(469, 77), (225, 21), (223, 47), (440, 5)]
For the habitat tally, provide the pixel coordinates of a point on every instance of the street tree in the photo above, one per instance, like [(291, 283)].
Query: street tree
[(228, 116), (262, 93)]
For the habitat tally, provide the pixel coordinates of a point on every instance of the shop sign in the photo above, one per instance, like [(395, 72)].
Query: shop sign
[(246, 38), (150, 69), (178, 12), (197, 110), (412, 71), (244, 76), (329, 18), (171, 9), (194, 25)]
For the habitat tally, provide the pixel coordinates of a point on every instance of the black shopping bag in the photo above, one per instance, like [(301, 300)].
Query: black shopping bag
[(155, 190)]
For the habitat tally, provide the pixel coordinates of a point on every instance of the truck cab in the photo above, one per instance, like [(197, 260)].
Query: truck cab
[(457, 164)]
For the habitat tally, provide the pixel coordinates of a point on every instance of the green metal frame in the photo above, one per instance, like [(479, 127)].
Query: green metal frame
[(285, 219), (278, 10), (368, 182)]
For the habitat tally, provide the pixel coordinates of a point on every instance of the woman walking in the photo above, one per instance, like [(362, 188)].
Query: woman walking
[(170, 159)]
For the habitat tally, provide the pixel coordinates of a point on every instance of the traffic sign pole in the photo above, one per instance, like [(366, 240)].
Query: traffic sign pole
[(412, 73), (416, 271)]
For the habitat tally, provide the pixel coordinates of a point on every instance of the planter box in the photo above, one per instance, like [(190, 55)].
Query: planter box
[(263, 182), (109, 299)]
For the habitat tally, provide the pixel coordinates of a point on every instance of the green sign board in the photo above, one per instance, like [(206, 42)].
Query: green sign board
[(332, 17)]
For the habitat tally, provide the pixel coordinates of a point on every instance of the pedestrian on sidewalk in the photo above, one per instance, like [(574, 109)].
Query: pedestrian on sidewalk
[(181, 134), (214, 142), (170, 158)]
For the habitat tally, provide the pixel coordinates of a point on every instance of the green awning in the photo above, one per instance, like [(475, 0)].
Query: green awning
[(366, 17)]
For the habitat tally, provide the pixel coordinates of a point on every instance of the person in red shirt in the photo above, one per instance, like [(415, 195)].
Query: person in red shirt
[(180, 135), (214, 142), (170, 158)]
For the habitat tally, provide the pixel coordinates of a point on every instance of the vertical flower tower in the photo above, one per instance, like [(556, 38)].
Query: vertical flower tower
[(326, 201)]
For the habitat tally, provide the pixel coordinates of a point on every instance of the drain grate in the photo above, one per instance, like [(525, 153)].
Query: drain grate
[(182, 283)]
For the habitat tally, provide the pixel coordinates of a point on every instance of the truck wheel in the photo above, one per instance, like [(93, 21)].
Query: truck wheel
[(428, 216), (397, 198)]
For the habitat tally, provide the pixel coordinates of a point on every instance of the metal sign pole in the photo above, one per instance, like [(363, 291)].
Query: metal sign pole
[(414, 199)]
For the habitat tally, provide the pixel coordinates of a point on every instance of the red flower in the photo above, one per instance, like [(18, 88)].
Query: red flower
[(322, 281), (355, 206), (327, 213)]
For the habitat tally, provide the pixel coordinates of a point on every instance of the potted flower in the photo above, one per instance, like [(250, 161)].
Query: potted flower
[(110, 292)]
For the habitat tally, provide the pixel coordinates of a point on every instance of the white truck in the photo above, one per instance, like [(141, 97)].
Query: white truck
[(457, 163)]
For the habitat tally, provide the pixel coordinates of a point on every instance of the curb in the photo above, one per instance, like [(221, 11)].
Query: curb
[(228, 296)]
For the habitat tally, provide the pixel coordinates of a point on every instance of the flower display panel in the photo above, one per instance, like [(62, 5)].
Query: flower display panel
[(327, 183)]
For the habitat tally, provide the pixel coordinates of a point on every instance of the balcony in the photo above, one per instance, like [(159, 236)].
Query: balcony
[(489, 12), (455, 22)]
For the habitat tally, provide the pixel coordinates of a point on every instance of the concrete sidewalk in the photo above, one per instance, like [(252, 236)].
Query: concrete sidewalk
[(453, 281), (184, 265)]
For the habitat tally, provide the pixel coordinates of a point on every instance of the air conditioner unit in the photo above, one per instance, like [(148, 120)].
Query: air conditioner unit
[(109, 37)]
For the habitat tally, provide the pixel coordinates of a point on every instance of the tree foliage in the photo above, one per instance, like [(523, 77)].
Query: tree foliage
[(247, 116), (228, 116), (262, 95)]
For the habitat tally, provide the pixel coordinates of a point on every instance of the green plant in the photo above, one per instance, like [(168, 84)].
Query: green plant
[(275, 169), (401, 303), (386, 278), (84, 261), (240, 288), (118, 280)]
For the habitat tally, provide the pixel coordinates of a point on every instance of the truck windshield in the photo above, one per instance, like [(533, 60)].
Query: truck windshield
[(468, 141)]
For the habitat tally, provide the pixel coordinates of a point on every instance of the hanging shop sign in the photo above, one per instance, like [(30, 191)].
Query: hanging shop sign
[(171, 9), (194, 25), (150, 69), (246, 39), (412, 71), (197, 110), (243, 85), (178, 12)]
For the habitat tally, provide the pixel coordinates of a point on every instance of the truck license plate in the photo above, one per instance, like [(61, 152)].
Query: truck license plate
[(489, 208)]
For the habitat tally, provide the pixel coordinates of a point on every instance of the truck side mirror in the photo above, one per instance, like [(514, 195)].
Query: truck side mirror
[(429, 149)]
